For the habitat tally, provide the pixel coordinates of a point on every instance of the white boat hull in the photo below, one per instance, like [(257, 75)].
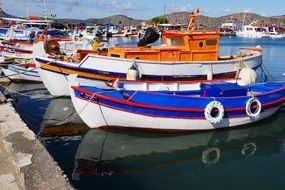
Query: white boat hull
[(118, 66), (251, 35), (178, 69), (57, 84)]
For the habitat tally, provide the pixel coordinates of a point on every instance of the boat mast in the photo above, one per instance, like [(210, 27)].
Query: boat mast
[(45, 10), (243, 19), (192, 19), (1, 7)]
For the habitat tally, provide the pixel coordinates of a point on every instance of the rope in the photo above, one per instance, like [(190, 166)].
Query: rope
[(77, 113), (82, 109), (239, 67), (263, 74), (267, 73), (16, 92)]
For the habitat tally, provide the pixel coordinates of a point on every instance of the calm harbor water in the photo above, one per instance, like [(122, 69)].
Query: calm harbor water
[(252, 157)]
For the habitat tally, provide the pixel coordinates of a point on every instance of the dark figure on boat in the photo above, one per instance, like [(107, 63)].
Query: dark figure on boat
[(151, 35), (32, 36)]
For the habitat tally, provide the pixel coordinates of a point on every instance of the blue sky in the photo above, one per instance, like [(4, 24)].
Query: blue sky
[(144, 9)]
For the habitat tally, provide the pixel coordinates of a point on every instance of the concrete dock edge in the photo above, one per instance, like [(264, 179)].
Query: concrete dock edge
[(24, 161)]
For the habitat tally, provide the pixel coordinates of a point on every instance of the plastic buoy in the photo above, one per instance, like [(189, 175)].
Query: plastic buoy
[(247, 75)]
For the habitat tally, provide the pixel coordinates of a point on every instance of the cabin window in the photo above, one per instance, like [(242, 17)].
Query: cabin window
[(115, 55), (201, 44), (175, 41), (211, 42)]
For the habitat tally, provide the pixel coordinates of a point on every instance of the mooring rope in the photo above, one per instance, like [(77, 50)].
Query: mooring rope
[(14, 91), (266, 72), (76, 113), (83, 108)]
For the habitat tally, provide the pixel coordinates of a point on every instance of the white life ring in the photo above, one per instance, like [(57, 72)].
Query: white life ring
[(208, 112), (248, 107), (211, 155)]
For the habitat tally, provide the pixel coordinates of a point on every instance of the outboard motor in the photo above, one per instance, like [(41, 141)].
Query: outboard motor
[(150, 36)]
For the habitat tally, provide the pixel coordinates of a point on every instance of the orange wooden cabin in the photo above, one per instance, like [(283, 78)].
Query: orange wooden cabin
[(187, 45)]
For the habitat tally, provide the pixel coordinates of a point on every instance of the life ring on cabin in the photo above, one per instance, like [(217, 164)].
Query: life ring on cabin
[(253, 107), (211, 155), (214, 112), (51, 46)]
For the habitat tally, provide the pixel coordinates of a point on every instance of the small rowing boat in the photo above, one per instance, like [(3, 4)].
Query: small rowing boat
[(22, 70)]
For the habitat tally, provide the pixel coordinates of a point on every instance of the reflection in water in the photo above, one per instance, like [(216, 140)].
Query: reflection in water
[(211, 155), (58, 111), (61, 119), (109, 152), (248, 149)]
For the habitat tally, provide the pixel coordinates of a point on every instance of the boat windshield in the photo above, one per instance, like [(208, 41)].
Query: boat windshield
[(35, 25), (175, 41)]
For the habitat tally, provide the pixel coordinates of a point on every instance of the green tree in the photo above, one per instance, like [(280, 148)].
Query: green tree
[(160, 20)]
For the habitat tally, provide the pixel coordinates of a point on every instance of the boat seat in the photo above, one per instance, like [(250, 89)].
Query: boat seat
[(222, 89)]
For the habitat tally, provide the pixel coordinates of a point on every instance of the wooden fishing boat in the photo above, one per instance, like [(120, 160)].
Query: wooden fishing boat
[(215, 105), (22, 71), (184, 55)]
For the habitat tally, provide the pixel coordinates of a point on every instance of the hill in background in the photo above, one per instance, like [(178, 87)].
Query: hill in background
[(202, 22), (116, 19), (206, 22)]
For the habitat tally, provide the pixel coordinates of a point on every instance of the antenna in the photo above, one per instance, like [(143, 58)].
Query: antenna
[(164, 8)]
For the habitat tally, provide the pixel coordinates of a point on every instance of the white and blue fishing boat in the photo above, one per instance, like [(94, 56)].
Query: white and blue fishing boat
[(214, 105)]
